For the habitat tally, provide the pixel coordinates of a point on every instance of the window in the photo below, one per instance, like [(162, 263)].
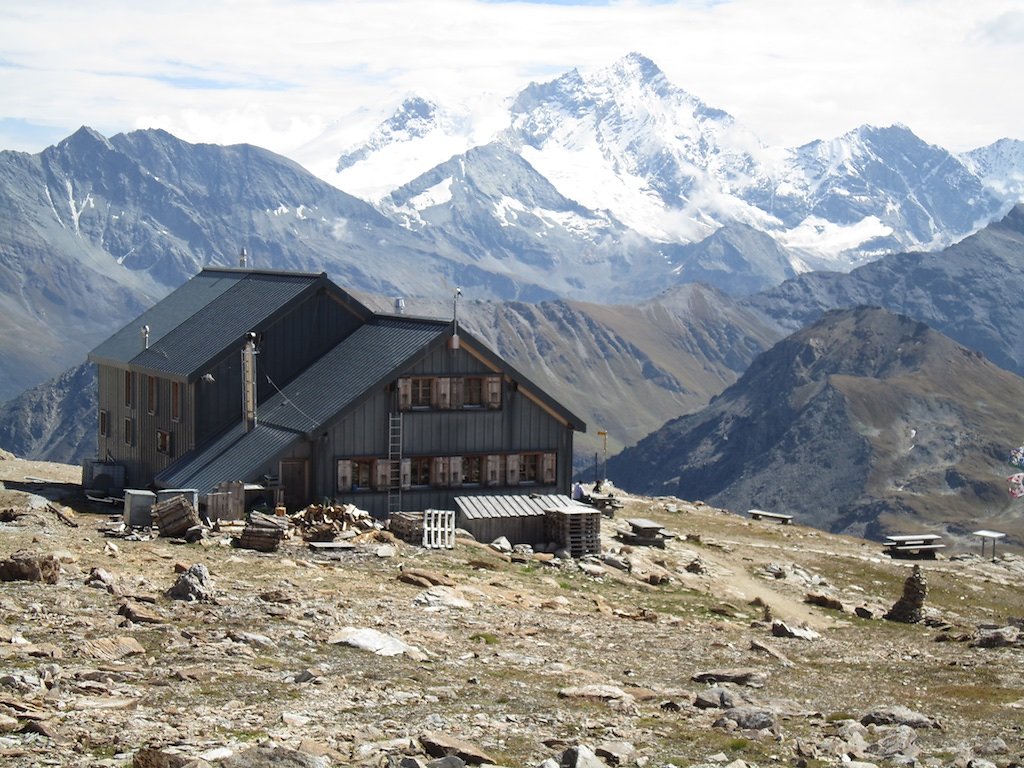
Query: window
[(362, 472), (163, 441), (473, 392), (128, 424), (420, 471), (422, 391), (104, 423), (472, 470), (151, 394), (529, 467), (128, 394), (175, 401)]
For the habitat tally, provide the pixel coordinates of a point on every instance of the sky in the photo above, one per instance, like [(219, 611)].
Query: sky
[(277, 74)]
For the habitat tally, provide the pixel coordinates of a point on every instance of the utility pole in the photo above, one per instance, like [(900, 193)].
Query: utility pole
[(603, 434)]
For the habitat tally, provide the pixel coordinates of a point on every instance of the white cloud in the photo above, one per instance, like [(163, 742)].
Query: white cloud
[(277, 73)]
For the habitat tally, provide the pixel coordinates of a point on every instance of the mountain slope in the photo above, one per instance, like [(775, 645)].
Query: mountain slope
[(865, 422), (969, 291)]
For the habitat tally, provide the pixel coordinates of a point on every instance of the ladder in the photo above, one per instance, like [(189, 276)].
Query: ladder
[(394, 463)]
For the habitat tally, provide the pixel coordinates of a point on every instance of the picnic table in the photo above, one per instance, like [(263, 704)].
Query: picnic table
[(607, 503), (757, 514), (986, 535), (645, 532), (913, 545)]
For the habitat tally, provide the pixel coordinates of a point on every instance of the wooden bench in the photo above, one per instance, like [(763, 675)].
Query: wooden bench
[(757, 514)]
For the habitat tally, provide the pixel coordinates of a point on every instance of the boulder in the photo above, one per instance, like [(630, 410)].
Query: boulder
[(898, 715), (24, 566), (440, 745)]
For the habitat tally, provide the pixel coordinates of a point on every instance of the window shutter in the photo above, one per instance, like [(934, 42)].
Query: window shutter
[(458, 388), (382, 474), (406, 474), (344, 476), (404, 394), (439, 471), (455, 471), (548, 469), (493, 476), (442, 393), (512, 469), (493, 391)]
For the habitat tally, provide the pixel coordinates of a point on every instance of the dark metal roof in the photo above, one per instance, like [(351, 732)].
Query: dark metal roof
[(347, 372), (337, 381), (525, 505), (202, 318), (235, 456)]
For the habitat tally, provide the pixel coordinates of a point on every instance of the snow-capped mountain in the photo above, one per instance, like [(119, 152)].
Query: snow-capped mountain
[(1000, 166), (626, 143)]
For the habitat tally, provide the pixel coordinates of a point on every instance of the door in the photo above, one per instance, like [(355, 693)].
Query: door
[(295, 482)]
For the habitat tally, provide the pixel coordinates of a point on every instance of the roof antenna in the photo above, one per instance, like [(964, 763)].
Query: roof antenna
[(453, 342), (242, 258)]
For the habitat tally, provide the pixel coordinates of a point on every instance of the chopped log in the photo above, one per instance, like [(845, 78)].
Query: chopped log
[(175, 516)]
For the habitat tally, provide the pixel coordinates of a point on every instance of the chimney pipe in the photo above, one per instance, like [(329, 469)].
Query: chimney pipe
[(242, 259), (145, 337), (399, 305), (249, 382)]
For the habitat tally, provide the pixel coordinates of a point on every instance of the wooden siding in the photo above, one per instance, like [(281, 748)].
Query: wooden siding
[(140, 456), (518, 426)]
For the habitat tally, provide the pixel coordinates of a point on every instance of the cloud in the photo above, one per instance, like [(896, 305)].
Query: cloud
[(277, 73)]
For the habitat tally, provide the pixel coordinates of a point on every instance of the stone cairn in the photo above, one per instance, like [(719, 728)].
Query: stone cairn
[(909, 609)]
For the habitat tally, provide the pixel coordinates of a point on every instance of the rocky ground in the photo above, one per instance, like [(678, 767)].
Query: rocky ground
[(740, 643)]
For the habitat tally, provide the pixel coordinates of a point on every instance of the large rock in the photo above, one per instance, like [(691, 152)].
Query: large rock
[(24, 566), (898, 715), (748, 718), (720, 697), (439, 745), (194, 585)]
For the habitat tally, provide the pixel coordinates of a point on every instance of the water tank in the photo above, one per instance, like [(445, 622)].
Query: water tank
[(138, 508)]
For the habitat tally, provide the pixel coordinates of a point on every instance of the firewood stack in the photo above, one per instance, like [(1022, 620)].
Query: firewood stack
[(263, 532), (176, 516), (319, 522)]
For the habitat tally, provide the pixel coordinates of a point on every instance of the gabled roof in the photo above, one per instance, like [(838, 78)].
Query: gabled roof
[(332, 385), (210, 313)]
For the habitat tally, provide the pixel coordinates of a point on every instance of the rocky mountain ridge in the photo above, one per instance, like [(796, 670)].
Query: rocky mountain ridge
[(860, 423)]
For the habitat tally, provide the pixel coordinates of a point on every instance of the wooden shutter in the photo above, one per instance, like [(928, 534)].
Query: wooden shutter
[(493, 391), (344, 476), (404, 394), (512, 469), (442, 392), (548, 468), (382, 474), (406, 474), (455, 471), (493, 476), (439, 471)]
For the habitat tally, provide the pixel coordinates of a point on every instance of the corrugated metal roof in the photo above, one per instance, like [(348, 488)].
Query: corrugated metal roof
[(336, 381), (235, 456), (201, 318), (348, 371), (525, 505)]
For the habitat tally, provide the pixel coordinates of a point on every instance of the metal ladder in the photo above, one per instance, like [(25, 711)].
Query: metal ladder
[(394, 463)]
